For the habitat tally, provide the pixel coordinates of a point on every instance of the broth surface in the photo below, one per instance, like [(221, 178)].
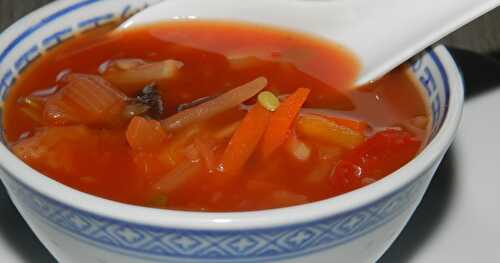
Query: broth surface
[(216, 57)]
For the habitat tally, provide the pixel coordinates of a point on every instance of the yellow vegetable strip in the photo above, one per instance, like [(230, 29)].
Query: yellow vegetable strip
[(328, 131)]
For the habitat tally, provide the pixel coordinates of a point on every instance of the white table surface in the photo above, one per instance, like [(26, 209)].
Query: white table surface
[(458, 220)]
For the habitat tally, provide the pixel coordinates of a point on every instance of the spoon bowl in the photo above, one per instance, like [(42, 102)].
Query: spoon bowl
[(382, 33)]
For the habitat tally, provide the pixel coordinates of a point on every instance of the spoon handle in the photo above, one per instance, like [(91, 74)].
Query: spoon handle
[(394, 30)]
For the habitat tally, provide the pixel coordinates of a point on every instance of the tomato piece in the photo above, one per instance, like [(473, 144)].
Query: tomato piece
[(376, 158), (346, 177)]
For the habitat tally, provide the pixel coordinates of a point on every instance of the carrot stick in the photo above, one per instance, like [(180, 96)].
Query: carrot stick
[(245, 140), (282, 120)]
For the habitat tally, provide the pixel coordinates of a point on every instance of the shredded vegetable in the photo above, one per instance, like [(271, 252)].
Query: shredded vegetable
[(206, 150), (213, 107), (298, 149), (177, 177), (227, 131)]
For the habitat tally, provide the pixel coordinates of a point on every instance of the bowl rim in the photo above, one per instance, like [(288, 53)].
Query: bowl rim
[(218, 221)]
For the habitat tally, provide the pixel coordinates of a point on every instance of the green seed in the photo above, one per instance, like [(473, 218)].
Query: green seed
[(268, 100)]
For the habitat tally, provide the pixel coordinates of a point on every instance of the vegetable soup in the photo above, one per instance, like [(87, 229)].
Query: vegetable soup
[(211, 116)]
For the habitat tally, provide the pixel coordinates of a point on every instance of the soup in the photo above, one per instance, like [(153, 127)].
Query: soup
[(211, 116)]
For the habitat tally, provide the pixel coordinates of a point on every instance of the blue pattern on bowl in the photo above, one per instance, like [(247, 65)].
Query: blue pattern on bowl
[(215, 246), (254, 245)]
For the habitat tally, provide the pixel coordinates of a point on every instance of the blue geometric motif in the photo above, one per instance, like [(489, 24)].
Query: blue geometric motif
[(26, 58), (6, 81), (96, 21), (254, 245), (56, 38)]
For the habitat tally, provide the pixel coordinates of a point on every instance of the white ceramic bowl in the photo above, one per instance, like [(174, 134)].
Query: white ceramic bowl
[(76, 227)]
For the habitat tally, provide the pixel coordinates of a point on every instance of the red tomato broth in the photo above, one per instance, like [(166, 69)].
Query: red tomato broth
[(103, 164)]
